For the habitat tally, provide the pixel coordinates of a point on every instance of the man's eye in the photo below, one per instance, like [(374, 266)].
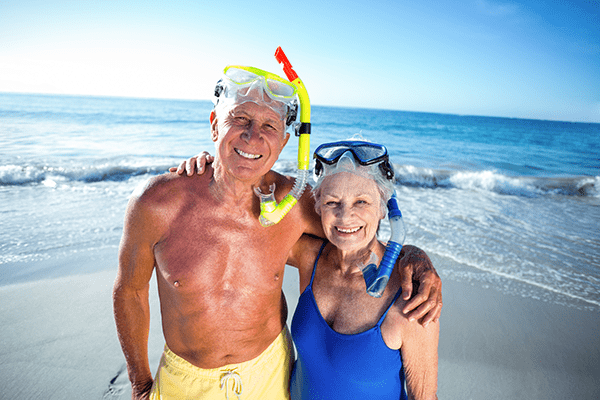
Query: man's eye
[(271, 127)]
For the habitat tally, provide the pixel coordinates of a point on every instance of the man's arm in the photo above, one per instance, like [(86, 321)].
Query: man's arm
[(130, 295), (416, 266), (426, 305)]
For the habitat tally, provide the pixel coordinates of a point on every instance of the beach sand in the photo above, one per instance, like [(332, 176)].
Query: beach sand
[(59, 342)]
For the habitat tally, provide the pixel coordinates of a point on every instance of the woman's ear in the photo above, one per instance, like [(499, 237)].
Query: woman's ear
[(383, 209)]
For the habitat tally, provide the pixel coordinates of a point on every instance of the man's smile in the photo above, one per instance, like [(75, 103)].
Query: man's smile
[(248, 155)]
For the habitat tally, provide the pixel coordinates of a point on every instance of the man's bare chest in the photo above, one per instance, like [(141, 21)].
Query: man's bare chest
[(218, 251)]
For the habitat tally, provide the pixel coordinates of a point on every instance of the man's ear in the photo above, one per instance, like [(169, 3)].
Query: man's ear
[(214, 131), (285, 140)]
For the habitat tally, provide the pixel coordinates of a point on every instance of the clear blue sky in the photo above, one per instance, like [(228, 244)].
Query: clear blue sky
[(481, 57)]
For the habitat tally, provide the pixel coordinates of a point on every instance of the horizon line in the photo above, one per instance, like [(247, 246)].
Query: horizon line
[(312, 105)]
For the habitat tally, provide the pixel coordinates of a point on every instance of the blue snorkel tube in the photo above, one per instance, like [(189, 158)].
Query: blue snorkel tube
[(377, 278)]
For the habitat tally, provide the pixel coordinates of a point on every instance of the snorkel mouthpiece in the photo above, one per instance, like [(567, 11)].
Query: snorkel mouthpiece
[(271, 212), (376, 278)]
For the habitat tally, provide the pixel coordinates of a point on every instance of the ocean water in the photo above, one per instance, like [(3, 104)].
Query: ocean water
[(508, 203)]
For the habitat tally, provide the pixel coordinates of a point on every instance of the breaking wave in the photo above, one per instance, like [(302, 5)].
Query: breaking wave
[(406, 175), (19, 175)]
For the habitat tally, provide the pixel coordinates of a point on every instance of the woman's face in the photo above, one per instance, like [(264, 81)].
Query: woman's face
[(350, 210)]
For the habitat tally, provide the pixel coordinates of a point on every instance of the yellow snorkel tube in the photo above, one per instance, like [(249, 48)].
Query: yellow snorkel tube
[(271, 212)]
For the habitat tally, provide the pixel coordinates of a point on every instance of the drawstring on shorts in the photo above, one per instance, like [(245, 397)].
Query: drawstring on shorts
[(237, 386)]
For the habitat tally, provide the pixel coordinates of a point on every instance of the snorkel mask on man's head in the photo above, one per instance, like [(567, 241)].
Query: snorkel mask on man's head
[(247, 84)]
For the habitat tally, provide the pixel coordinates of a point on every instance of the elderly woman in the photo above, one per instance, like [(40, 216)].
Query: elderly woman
[(352, 345)]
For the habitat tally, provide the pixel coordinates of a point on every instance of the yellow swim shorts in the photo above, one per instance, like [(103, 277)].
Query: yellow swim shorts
[(265, 377)]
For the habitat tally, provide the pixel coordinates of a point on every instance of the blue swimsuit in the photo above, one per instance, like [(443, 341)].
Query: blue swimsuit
[(332, 365)]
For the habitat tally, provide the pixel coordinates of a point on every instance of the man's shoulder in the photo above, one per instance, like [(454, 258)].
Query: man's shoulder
[(281, 180), (302, 215), (166, 190), (154, 188)]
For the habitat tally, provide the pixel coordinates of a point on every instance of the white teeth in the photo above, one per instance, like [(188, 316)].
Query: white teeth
[(247, 155), (348, 230)]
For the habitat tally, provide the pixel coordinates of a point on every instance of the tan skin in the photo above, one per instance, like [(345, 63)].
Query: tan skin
[(424, 306), (350, 209), (220, 295)]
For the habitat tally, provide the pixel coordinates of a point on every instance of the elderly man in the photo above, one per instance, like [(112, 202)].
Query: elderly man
[(220, 272)]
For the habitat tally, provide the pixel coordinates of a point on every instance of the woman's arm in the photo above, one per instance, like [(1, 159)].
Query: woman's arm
[(194, 164), (420, 358)]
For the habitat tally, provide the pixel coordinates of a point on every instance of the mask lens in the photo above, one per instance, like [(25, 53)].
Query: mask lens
[(330, 154), (276, 87), (368, 153), (240, 76), (280, 88)]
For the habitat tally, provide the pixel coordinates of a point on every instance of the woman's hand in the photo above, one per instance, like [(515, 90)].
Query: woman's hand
[(416, 266), (194, 164)]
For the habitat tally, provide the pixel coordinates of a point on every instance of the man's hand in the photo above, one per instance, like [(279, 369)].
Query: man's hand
[(426, 305), (141, 391), (194, 164)]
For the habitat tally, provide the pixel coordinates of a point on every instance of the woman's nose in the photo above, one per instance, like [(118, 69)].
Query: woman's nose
[(343, 211)]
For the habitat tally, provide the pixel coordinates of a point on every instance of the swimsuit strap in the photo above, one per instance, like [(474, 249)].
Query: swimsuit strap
[(390, 306), (312, 278), (315, 266)]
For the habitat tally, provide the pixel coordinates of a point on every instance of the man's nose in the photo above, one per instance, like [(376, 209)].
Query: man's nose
[(252, 132)]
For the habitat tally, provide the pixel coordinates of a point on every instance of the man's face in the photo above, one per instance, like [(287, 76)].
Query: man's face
[(249, 138)]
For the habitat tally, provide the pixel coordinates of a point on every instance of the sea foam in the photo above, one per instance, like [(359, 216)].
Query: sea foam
[(493, 181)]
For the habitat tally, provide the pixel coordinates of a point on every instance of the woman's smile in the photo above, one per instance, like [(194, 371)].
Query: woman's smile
[(348, 230)]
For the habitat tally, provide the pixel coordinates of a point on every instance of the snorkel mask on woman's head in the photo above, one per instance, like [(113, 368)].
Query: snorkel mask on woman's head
[(242, 84), (366, 159)]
